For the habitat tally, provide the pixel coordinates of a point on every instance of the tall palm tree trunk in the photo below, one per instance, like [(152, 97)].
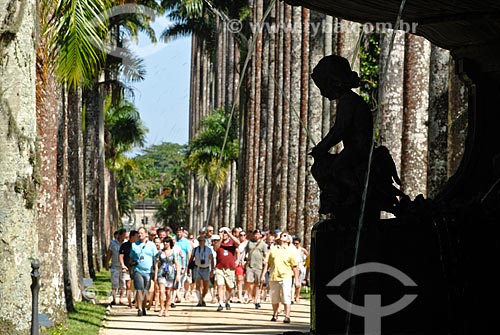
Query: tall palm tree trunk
[(50, 199), (277, 171), (18, 149), (415, 117), (457, 120), (438, 120), (304, 101), (75, 197), (315, 111), (294, 122), (90, 98), (287, 45), (390, 100), (268, 68), (329, 43), (258, 128)]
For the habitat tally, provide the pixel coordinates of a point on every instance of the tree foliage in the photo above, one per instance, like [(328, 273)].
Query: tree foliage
[(162, 175), (205, 156), (369, 69)]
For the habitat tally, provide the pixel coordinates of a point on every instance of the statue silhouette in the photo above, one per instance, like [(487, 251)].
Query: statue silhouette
[(341, 176)]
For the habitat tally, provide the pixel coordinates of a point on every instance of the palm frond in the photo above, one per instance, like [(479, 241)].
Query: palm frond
[(78, 30)]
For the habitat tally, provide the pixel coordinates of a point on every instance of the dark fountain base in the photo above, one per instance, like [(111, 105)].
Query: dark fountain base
[(411, 249)]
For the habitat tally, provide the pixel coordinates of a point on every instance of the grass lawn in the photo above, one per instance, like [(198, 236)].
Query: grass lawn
[(87, 318)]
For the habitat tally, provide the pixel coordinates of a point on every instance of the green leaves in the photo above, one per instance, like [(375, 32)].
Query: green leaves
[(77, 31), (206, 156)]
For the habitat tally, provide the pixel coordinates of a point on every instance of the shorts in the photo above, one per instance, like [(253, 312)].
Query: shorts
[(239, 271), (125, 276), (201, 273), (142, 281), (167, 283), (253, 275), (115, 278), (281, 291), (183, 278), (225, 276)]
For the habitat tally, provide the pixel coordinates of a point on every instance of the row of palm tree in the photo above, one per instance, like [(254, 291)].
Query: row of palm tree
[(62, 199), (281, 115)]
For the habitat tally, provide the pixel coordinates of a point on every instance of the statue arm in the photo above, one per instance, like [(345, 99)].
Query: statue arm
[(336, 133)]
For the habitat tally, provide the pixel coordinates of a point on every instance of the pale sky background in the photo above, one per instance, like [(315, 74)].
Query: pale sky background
[(163, 97)]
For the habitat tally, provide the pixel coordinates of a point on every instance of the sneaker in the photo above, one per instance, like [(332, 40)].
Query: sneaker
[(203, 303), (172, 305), (274, 318), (139, 312), (257, 306), (220, 308), (228, 307), (144, 312), (286, 320), (199, 304)]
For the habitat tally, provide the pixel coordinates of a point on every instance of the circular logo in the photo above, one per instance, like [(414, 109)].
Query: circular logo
[(234, 26)]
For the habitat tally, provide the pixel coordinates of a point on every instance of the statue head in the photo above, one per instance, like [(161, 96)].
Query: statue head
[(333, 76)]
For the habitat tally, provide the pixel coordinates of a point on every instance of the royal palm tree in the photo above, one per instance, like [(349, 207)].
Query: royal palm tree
[(204, 154), (19, 174)]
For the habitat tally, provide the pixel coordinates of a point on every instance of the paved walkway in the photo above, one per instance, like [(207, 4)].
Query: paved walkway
[(188, 319)]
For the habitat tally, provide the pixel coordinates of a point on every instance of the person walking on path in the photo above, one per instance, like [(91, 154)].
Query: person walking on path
[(227, 255), (240, 267), (185, 247), (113, 254), (282, 265), (301, 256), (204, 267), (142, 255), (255, 253), (127, 270), (166, 274)]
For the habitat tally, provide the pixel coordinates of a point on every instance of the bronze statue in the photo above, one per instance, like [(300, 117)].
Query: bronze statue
[(341, 176)]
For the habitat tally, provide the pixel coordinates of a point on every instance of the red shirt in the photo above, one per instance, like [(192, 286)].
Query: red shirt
[(226, 255)]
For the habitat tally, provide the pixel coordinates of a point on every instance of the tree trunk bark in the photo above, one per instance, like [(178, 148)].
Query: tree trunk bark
[(278, 120), (287, 45), (294, 125), (329, 37), (269, 70), (315, 111), (304, 101), (256, 132), (438, 120), (390, 100), (415, 117), (49, 204), (457, 121), (76, 225), (90, 100), (18, 147)]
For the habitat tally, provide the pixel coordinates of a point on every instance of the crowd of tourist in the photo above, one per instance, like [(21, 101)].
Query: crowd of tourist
[(164, 267)]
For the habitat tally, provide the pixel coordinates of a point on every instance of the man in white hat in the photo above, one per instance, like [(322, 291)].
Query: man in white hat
[(282, 265)]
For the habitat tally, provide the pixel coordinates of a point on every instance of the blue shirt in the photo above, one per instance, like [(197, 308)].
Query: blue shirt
[(185, 246), (143, 254)]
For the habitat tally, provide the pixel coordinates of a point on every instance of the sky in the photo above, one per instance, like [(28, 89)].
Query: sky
[(163, 97)]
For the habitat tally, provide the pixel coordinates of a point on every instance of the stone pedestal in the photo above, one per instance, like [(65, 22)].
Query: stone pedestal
[(410, 247)]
